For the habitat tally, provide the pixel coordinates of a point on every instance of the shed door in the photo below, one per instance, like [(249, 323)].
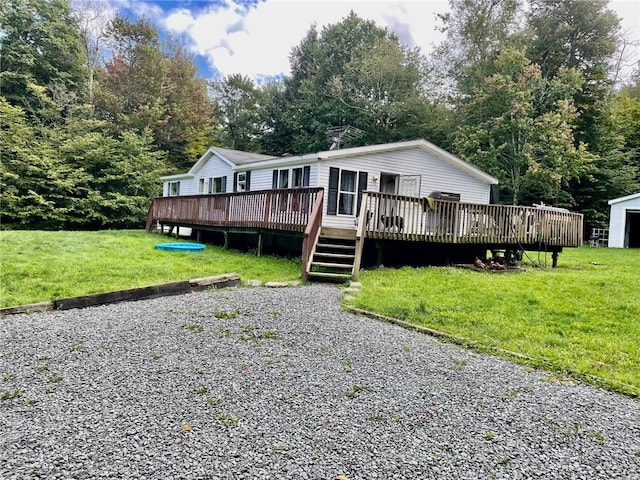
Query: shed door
[(632, 229)]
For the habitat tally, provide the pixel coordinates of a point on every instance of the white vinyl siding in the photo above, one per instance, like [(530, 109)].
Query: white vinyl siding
[(214, 169), (618, 219), (263, 179), (436, 175)]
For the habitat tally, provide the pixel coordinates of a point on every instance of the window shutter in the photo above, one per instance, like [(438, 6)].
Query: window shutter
[(332, 198), (274, 182), (247, 185), (224, 184), (362, 185), (235, 181), (306, 175), (494, 195)]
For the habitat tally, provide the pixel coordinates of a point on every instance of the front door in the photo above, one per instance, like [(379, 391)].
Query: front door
[(388, 184)]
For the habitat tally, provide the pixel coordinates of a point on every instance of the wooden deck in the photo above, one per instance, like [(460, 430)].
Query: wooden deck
[(383, 217), (395, 217), (282, 209)]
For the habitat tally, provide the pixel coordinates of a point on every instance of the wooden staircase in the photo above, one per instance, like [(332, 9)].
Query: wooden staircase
[(333, 259)]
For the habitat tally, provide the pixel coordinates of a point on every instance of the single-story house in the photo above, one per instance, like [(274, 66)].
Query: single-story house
[(414, 168), (624, 222)]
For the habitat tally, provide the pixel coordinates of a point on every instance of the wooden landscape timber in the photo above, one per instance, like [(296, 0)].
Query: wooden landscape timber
[(130, 294)]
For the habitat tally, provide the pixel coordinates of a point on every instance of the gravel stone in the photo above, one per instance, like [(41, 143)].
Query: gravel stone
[(257, 383)]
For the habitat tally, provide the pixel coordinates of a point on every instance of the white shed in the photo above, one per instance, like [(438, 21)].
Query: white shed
[(624, 222)]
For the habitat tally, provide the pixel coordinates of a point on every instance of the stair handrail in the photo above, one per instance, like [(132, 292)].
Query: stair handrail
[(312, 233), (360, 235), (149, 220)]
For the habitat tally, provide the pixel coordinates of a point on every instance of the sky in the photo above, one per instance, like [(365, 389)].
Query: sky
[(254, 38)]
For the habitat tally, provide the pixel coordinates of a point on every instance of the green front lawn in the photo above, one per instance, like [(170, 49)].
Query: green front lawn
[(582, 317), (38, 266)]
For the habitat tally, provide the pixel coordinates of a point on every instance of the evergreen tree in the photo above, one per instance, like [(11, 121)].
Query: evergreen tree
[(40, 48)]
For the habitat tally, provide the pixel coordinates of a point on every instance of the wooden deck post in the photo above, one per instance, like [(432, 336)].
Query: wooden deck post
[(360, 236), (259, 252)]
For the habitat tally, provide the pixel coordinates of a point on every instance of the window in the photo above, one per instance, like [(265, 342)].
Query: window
[(174, 189), (218, 185), (283, 181), (241, 183), (345, 191), (201, 186), (297, 178), (291, 177)]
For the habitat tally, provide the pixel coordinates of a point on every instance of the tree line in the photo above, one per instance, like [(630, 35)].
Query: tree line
[(94, 109)]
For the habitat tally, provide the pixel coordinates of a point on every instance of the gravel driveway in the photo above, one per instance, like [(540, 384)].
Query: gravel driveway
[(283, 384)]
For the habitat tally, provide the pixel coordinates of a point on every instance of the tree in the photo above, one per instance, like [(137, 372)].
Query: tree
[(573, 34), (144, 86), (130, 92), (518, 126), (581, 35), (186, 129), (476, 31), (382, 86), (92, 18), (40, 46), (39, 189), (237, 102), (350, 73)]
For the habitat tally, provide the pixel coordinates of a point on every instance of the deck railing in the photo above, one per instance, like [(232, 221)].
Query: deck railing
[(281, 209), (311, 234), (398, 217)]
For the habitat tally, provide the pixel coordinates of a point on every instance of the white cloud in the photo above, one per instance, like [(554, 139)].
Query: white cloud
[(257, 42), (179, 21)]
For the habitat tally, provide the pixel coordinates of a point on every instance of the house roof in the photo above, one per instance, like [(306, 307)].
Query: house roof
[(422, 145), (232, 157), (624, 199), (238, 157), (248, 160)]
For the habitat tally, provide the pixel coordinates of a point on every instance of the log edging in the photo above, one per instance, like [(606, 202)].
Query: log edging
[(130, 294)]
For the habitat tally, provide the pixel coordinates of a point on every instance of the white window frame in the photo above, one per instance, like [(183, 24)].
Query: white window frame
[(353, 194), (242, 182), (297, 173), (215, 183), (283, 178), (201, 186), (173, 189), (290, 177)]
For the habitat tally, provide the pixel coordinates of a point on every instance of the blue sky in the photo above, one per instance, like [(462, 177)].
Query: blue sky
[(254, 38)]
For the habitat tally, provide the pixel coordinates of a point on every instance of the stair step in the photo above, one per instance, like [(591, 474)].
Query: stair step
[(345, 276), (335, 245), (335, 255), (331, 265)]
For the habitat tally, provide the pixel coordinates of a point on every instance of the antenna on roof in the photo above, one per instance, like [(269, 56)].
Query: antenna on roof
[(342, 134)]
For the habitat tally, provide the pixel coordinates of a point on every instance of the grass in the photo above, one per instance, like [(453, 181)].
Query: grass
[(39, 266), (582, 318)]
